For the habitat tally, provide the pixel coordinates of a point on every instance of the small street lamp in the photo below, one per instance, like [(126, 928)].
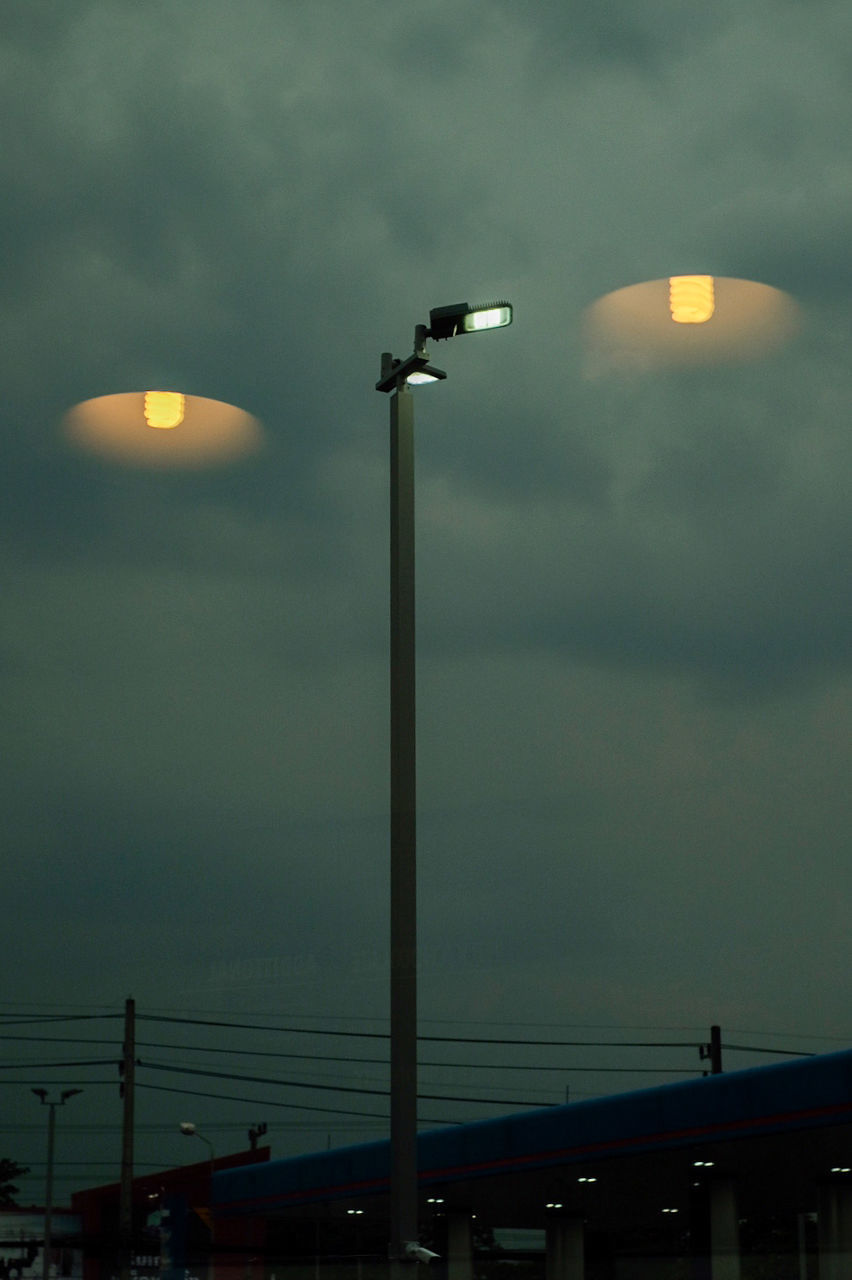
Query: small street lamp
[(41, 1094), (189, 1130), (398, 376)]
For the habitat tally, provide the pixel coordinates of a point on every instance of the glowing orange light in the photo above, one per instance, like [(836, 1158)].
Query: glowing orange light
[(691, 299), (118, 427), (631, 330), (164, 409)]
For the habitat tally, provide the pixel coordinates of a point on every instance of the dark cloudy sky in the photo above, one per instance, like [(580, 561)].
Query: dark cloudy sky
[(633, 590)]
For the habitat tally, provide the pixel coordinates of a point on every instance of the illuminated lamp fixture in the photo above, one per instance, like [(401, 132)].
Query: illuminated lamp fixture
[(449, 322), (188, 431), (444, 322), (663, 324), (691, 299), (164, 409)]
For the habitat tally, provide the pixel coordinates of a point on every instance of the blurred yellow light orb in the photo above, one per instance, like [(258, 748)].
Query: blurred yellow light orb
[(630, 330), (192, 431)]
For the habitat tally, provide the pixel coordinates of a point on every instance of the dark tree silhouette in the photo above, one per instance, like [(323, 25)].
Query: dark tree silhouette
[(9, 1169)]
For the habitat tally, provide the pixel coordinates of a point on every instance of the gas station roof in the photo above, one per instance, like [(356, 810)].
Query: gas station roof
[(779, 1130)]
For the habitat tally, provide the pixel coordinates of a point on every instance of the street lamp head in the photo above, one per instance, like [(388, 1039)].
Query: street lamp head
[(68, 1093), (416, 370), (449, 322), (187, 1128), (41, 1093), (444, 322)]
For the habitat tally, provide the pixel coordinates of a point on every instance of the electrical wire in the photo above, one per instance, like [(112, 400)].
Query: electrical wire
[(59, 1017), (297, 1106), (751, 1048), (33, 1066), (383, 1035), (332, 1088), (320, 1057)]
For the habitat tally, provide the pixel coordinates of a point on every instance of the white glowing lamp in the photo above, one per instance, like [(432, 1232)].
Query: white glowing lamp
[(489, 318), (449, 322)]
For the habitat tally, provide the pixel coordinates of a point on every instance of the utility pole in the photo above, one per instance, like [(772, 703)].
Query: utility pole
[(127, 1066), (713, 1051)]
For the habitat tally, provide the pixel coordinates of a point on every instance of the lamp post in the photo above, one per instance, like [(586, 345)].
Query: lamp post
[(396, 377), (41, 1094), (189, 1130)]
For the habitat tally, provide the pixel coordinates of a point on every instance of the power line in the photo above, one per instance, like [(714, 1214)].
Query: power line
[(320, 1057), (332, 1088), (499, 1041), (383, 1035), (9, 1020), (60, 1039), (790, 1053), (257, 1102), (86, 1081), (59, 1017), (348, 1017), (599, 1026), (38, 1066), (250, 1026)]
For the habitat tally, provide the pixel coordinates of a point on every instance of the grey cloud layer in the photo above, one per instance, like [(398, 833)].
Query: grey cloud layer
[(633, 592)]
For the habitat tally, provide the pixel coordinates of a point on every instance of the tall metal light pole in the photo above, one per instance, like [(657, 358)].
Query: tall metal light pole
[(396, 377), (128, 1091), (41, 1094)]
